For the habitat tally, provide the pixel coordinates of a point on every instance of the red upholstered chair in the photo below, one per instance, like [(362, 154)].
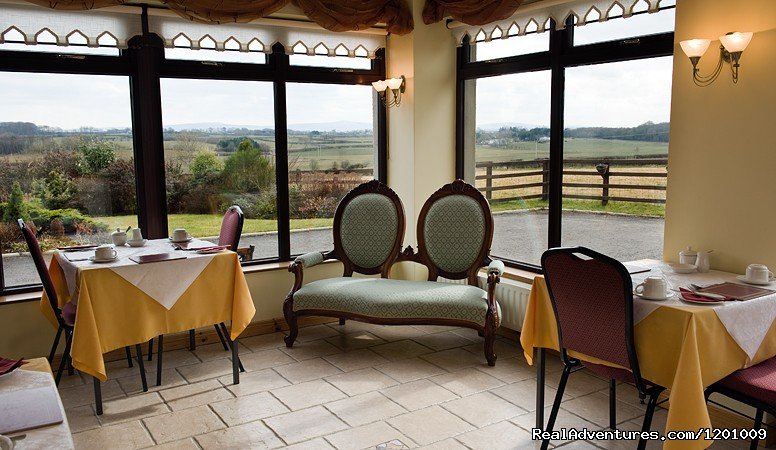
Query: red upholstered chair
[(592, 298), (755, 386), (65, 316)]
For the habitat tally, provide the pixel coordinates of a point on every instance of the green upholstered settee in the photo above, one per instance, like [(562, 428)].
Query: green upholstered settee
[(455, 230)]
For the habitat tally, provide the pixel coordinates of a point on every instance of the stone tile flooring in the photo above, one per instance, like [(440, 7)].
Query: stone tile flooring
[(352, 387)]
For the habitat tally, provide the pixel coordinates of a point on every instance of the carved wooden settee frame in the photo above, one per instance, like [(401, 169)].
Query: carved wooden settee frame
[(442, 249)]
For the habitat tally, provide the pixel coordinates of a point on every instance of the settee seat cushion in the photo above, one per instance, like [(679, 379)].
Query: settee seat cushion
[(395, 299)]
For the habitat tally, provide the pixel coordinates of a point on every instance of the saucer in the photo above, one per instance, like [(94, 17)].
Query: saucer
[(101, 260), (668, 295), (188, 239), (682, 268), (758, 283), (139, 243)]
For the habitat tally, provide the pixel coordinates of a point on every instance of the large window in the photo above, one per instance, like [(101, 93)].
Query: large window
[(66, 163), (567, 136), (170, 138)]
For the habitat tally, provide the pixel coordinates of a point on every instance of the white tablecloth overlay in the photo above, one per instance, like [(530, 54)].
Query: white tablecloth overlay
[(747, 322), (163, 281)]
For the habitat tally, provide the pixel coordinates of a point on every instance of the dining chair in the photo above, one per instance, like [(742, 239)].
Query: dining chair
[(231, 229), (754, 386), (65, 316), (592, 298)]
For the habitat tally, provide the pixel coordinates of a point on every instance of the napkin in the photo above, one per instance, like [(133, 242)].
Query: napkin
[(690, 295), (9, 365)]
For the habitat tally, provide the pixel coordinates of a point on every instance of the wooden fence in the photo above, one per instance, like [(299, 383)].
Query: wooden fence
[(603, 168)]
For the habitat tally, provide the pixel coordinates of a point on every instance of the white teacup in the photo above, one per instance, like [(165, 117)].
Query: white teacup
[(105, 252), (758, 273), (653, 288), (137, 234), (179, 235)]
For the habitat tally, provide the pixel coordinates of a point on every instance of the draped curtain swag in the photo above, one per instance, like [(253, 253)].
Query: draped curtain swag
[(470, 12), (334, 15)]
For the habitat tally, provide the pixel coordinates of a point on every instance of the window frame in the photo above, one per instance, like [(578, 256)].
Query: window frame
[(562, 54), (144, 63)]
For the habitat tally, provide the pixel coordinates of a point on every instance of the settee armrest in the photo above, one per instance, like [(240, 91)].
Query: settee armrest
[(496, 267), (309, 259)]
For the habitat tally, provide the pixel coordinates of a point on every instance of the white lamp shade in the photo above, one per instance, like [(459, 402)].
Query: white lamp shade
[(695, 47), (736, 42), (394, 83), (380, 86)]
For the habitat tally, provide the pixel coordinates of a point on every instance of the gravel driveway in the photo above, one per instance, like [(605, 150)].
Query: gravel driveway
[(519, 235)]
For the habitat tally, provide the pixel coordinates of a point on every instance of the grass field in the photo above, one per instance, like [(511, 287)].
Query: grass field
[(572, 149), (631, 208), (207, 225)]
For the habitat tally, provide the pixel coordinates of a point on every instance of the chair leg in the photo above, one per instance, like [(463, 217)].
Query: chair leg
[(232, 344), (55, 345), (293, 327), (612, 404), (65, 357), (151, 349), (192, 341), (129, 356), (556, 404), (139, 354), (490, 339), (221, 338), (758, 423), (97, 396), (651, 404), (159, 351)]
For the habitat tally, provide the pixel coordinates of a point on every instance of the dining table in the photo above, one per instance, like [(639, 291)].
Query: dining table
[(122, 302), (682, 346)]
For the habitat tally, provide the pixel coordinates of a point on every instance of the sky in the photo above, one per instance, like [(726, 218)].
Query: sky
[(618, 94)]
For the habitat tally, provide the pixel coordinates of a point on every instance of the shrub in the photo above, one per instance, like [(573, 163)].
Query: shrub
[(206, 166), (267, 206), (15, 208), (201, 199), (64, 161), (318, 207), (247, 170), (56, 191), (72, 221), (96, 155), (120, 178), (178, 185)]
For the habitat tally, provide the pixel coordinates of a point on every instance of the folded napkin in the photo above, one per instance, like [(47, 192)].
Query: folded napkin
[(692, 296), (9, 365)]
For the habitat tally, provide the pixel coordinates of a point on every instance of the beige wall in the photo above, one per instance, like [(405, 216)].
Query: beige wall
[(722, 162)]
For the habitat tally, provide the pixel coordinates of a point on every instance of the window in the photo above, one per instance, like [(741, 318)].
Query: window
[(570, 149), (75, 142), (66, 163)]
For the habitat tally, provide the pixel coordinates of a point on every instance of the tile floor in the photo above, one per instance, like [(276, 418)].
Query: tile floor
[(351, 387)]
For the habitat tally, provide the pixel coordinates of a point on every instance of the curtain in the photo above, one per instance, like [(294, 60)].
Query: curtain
[(334, 15), (470, 12)]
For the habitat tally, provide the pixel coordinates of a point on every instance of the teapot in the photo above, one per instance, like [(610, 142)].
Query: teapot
[(119, 237)]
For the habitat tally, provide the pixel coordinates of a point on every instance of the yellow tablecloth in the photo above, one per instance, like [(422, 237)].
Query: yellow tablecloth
[(112, 313), (684, 349)]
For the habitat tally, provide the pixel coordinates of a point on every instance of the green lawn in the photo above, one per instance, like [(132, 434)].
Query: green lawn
[(204, 225), (632, 208)]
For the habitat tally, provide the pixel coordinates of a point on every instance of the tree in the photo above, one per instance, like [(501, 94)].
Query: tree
[(97, 155), (15, 209), (247, 170), (56, 191), (206, 166)]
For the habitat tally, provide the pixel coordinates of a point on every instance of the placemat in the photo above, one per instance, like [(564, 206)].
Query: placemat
[(144, 259), (28, 409), (735, 291)]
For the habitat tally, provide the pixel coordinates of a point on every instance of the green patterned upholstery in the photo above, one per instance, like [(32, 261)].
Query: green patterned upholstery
[(386, 298), (310, 259), (368, 229), (454, 232)]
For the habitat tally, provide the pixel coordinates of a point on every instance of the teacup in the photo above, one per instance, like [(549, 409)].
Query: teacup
[(653, 288), (137, 234), (179, 235), (105, 252), (758, 273)]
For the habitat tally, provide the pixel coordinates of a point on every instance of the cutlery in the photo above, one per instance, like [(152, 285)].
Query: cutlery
[(694, 289)]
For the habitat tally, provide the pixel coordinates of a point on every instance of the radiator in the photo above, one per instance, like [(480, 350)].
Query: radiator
[(512, 296)]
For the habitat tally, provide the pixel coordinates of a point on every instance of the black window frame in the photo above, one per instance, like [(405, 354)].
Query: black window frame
[(144, 63), (562, 54)]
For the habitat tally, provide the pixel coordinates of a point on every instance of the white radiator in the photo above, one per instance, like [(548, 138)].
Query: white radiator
[(513, 298)]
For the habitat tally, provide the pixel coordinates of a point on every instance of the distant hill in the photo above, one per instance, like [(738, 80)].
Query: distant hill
[(499, 125), (341, 125)]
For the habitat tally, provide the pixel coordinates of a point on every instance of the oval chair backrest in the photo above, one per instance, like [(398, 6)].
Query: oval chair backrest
[(455, 230), (368, 229), (593, 303), (40, 266), (231, 228)]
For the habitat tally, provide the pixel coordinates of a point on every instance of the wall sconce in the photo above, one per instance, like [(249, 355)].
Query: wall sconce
[(390, 90), (733, 45)]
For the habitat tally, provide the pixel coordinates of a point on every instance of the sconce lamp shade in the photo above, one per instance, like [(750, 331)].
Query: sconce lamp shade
[(736, 42), (695, 48), (380, 86), (394, 83)]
